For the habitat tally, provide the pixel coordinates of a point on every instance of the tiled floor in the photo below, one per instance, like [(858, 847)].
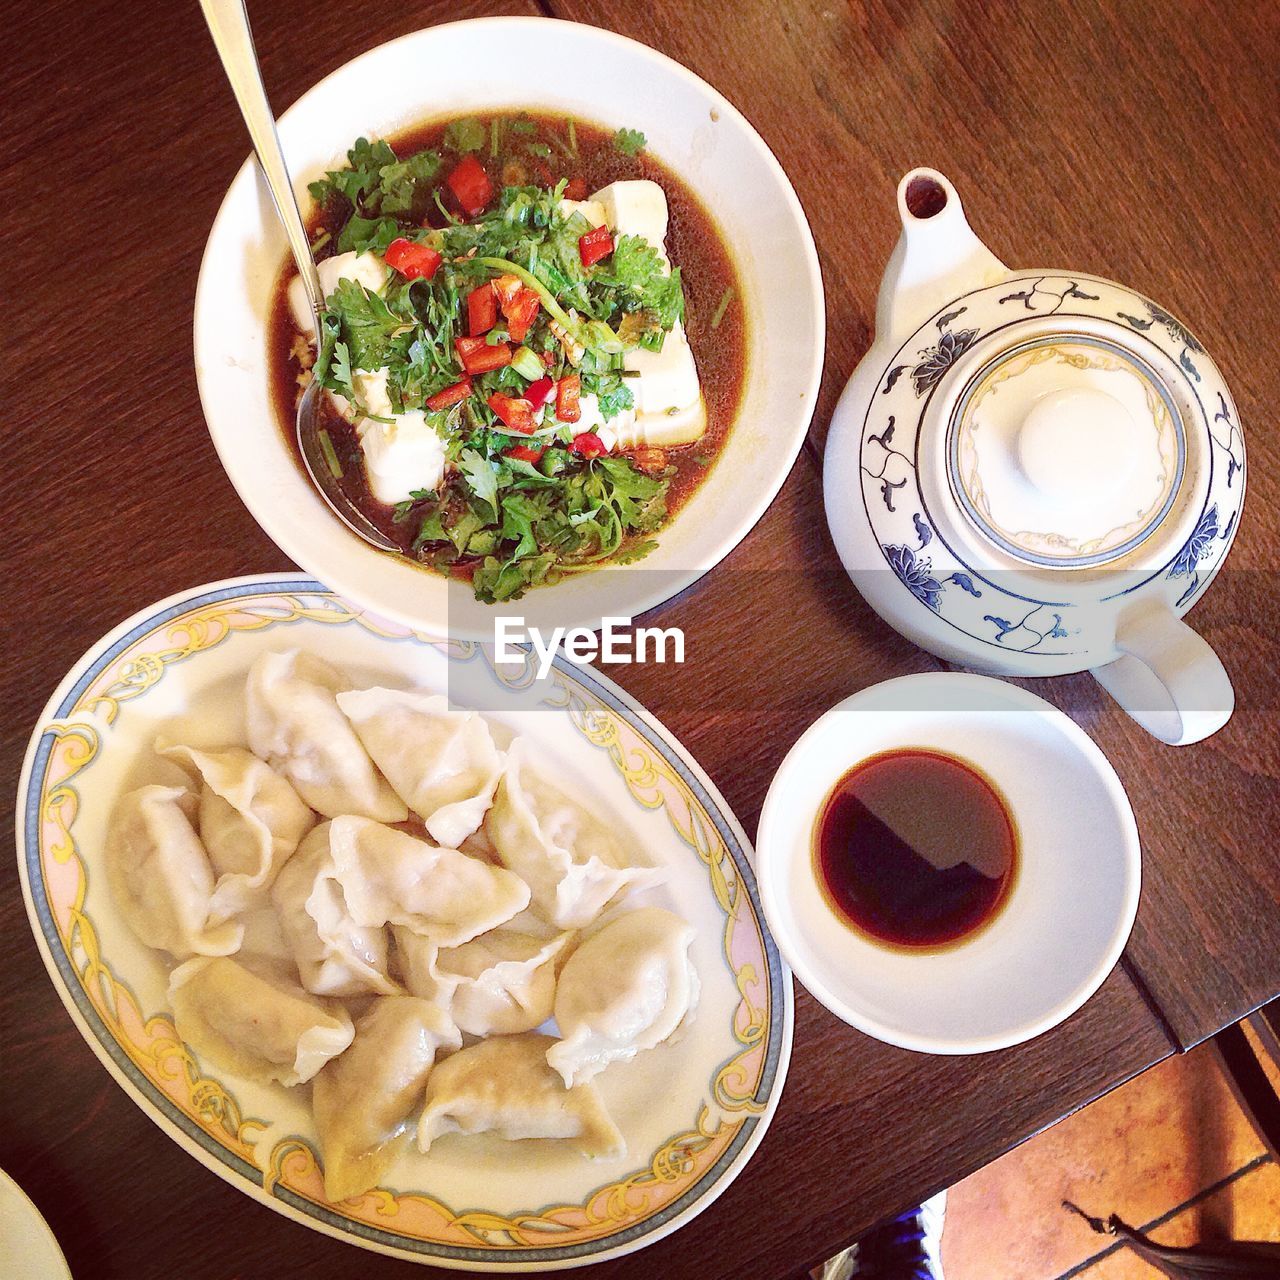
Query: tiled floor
[(1170, 1148)]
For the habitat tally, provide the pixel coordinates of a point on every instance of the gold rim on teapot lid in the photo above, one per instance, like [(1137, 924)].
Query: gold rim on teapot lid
[(1066, 451)]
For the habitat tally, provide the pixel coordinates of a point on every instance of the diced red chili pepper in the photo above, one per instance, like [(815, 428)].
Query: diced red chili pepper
[(539, 392), (470, 185), (478, 356), (482, 310), (514, 413), (520, 313), (596, 244), (413, 261), (450, 395), (506, 287), (588, 445), (568, 390), (575, 189), (525, 453)]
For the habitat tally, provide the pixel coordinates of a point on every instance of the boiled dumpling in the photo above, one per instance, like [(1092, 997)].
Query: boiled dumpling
[(502, 983), (160, 875), (506, 981), (250, 820), (626, 988), (258, 1025), (504, 1086), (335, 955), (442, 763), (362, 1100), (264, 938), (416, 959), (295, 725), (391, 877), (572, 862)]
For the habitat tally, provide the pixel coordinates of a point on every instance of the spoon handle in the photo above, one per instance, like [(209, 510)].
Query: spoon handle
[(229, 25)]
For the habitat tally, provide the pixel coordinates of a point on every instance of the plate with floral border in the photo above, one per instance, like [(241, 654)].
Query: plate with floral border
[(693, 1112)]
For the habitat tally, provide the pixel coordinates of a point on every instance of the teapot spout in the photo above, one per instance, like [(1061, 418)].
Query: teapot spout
[(937, 257)]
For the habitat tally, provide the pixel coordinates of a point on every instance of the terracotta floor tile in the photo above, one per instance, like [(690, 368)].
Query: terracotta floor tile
[(1138, 1152), (1247, 1209)]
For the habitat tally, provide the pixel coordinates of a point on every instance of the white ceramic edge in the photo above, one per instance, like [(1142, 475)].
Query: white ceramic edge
[(675, 580), (21, 1197), (766, 867), (259, 1194)]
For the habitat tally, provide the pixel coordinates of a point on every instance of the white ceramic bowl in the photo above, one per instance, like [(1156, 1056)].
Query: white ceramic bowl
[(451, 70), (1074, 896)]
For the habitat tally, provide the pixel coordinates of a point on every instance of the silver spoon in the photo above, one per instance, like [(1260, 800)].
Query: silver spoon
[(229, 25)]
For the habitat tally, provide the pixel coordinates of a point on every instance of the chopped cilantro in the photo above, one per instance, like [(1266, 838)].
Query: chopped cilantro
[(629, 142), (465, 135), (368, 325), (636, 551), (361, 235), (481, 476), (431, 530), (376, 182), (644, 284), (614, 399), (340, 370), (399, 185), (400, 512)]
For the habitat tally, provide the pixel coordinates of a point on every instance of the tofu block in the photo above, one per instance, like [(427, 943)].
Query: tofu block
[(669, 405), (665, 430), (371, 387), (401, 455), (636, 207), (620, 426), (592, 210), (366, 268), (668, 378)]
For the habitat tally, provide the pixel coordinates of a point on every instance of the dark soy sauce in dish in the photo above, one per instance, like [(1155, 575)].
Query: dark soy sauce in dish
[(915, 849)]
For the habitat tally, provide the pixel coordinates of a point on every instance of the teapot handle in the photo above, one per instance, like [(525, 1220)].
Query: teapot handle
[(1168, 678)]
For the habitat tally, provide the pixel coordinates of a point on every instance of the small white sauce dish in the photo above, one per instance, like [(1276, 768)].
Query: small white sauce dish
[(1073, 899)]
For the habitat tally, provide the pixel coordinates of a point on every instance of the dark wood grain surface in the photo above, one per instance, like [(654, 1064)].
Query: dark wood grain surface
[(1131, 140)]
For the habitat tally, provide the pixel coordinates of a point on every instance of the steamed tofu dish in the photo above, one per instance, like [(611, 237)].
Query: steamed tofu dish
[(531, 345)]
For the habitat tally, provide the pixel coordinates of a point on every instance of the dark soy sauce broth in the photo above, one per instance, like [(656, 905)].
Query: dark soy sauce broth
[(915, 849)]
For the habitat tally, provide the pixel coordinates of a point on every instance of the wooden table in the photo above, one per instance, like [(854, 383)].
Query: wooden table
[(1131, 140)]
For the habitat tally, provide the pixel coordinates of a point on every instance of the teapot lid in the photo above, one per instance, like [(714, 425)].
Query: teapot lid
[(1065, 450)]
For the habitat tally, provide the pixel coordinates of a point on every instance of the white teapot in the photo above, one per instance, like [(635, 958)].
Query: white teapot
[(1036, 472)]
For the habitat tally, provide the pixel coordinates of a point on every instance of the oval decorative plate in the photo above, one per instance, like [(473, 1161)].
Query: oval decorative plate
[(692, 1112)]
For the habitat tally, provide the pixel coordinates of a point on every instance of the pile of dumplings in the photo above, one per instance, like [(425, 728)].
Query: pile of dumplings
[(377, 899)]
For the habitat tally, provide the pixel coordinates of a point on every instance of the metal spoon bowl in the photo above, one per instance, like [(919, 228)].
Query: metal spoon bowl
[(307, 425), (229, 25)]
